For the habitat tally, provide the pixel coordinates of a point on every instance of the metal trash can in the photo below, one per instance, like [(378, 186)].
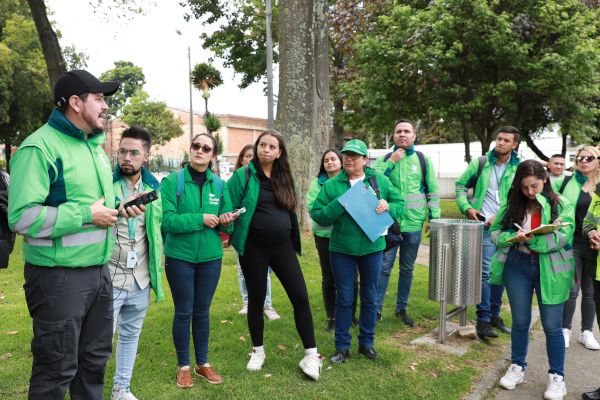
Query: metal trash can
[(455, 255)]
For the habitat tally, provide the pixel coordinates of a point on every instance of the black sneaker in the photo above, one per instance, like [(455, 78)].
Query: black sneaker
[(498, 323), (340, 356), (354, 322), (379, 318), (484, 329), (368, 352), (595, 395), (330, 325), (407, 321)]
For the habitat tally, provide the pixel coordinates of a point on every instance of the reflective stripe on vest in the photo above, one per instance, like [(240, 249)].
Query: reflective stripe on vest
[(563, 267), (550, 241), (560, 257), (323, 228), (502, 254), (74, 239), (495, 236)]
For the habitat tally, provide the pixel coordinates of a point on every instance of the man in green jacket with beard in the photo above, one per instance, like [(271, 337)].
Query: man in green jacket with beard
[(61, 199)]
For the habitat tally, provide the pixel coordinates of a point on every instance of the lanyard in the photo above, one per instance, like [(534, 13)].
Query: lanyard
[(131, 221), (496, 173)]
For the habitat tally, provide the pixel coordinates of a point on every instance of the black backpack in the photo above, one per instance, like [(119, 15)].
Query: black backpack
[(7, 237)]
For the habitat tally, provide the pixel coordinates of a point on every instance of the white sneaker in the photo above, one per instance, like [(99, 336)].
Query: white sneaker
[(271, 313), (311, 365), (556, 388), (513, 377), (257, 360), (567, 335), (244, 309), (588, 340), (123, 394)]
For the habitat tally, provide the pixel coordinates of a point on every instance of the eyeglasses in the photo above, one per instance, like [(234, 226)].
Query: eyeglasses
[(135, 154), (586, 159), (352, 156), (205, 148)]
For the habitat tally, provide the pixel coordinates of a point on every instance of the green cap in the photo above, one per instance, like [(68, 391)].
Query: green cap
[(356, 146)]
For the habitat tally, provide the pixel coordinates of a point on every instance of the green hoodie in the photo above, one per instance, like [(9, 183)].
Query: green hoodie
[(311, 196), (347, 237), (469, 178), (188, 239), (407, 178), (154, 216), (56, 174), (557, 268)]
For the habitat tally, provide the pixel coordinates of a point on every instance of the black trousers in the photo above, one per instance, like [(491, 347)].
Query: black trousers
[(597, 299), (283, 261), (72, 313), (328, 283)]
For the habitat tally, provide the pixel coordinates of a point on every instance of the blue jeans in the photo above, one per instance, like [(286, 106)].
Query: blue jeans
[(521, 277), (242, 283), (130, 311), (369, 269), (409, 250), (192, 286), (491, 295)]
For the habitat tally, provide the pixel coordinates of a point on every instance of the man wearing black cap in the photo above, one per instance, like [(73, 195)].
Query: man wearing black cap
[(61, 199)]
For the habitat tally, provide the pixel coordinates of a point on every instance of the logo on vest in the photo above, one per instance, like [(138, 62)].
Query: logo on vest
[(104, 164), (213, 200)]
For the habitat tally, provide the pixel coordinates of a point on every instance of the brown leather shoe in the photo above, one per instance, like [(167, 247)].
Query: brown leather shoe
[(209, 374), (184, 377)]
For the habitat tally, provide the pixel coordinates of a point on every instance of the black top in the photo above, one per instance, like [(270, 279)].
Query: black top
[(581, 208), (199, 178), (270, 224)]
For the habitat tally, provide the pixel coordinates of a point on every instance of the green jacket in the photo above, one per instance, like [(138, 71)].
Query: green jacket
[(188, 239), (154, 216), (311, 196), (407, 178), (56, 174), (242, 196), (591, 222), (557, 270), (347, 237), (572, 189), (468, 178)]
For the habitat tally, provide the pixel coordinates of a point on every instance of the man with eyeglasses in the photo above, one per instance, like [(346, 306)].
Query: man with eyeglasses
[(491, 177), (61, 199), (413, 176), (135, 264)]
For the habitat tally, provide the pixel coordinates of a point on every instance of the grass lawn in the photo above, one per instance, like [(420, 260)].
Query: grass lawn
[(404, 371)]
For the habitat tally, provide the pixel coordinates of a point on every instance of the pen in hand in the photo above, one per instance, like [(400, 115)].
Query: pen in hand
[(518, 226)]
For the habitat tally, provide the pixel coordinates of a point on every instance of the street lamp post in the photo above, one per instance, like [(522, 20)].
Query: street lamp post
[(190, 80)]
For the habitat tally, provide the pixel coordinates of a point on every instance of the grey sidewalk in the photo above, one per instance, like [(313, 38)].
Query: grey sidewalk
[(582, 367)]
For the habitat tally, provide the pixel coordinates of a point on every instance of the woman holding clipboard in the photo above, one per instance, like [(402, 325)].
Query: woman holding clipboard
[(349, 246), (543, 263)]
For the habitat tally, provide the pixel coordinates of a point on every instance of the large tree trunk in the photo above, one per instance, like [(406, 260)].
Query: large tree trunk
[(54, 60), (466, 139), (337, 139), (303, 106)]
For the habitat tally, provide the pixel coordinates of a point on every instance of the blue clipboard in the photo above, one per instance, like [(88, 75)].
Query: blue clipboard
[(360, 202)]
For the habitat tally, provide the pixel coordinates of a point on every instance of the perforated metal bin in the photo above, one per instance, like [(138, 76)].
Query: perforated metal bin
[(463, 273)]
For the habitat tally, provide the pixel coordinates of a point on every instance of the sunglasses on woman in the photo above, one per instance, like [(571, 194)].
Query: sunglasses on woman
[(205, 148), (586, 159)]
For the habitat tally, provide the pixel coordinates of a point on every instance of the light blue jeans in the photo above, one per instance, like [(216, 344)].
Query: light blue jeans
[(409, 250), (242, 283), (129, 313)]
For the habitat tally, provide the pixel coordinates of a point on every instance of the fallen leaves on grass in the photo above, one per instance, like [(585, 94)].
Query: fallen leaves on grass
[(242, 338), (5, 356), (12, 332), (281, 347), (268, 375), (226, 321)]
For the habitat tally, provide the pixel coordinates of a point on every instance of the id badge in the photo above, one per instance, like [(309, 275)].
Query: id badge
[(132, 259)]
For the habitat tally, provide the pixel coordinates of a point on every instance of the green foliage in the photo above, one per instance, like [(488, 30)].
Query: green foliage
[(132, 79), (154, 116), (212, 123), (481, 64), (75, 59), (206, 77), (241, 42), (25, 95), (186, 156)]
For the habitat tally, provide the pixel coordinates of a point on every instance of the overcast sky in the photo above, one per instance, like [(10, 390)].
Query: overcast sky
[(151, 42)]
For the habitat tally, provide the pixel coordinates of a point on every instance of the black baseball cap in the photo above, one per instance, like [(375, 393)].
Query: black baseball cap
[(78, 82)]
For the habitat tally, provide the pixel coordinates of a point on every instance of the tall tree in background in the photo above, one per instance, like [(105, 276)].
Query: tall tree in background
[(132, 80), (204, 78), (25, 95), (303, 104)]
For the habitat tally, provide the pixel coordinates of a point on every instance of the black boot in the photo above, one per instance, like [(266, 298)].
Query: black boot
[(340, 356), (595, 395), (368, 352), (330, 325), (484, 329), (498, 323), (379, 318), (407, 321)]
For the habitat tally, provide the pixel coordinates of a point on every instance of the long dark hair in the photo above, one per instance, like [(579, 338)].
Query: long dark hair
[(281, 175), (517, 201), (210, 164), (238, 163), (322, 168)]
